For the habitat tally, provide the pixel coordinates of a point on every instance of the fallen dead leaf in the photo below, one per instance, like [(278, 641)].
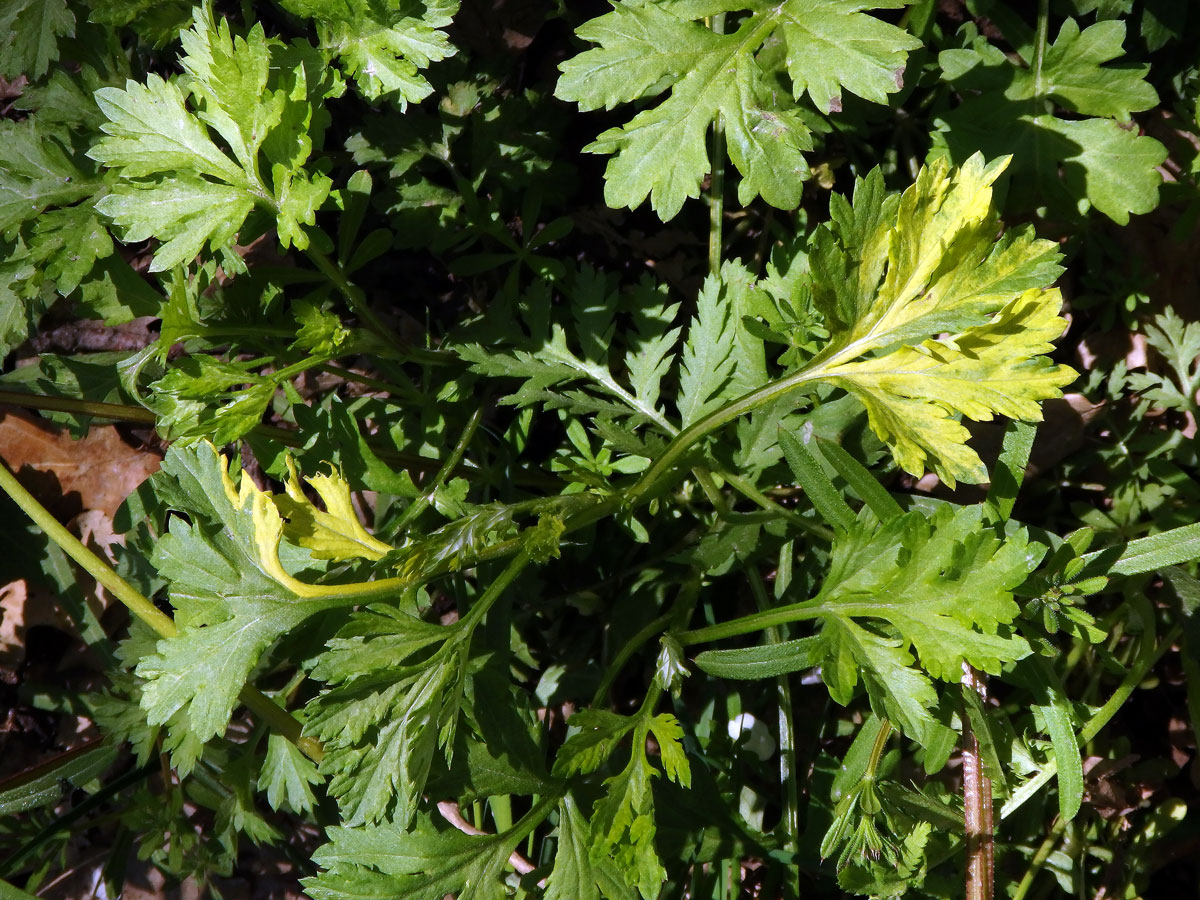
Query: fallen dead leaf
[(100, 468), (83, 481)]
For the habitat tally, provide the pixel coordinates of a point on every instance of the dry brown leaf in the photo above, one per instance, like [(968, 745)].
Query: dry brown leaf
[(100, 468)]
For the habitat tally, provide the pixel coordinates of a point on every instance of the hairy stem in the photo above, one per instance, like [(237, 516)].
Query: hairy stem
[(977, 802)]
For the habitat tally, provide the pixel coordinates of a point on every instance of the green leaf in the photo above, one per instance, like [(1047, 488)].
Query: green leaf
[(575, 875), (1010, 109), (177, 184), (645, 48), (183, 213), (69, 242), (426, 863), (587, 749), (623, 824), (1178, 343), (1051, 702), (203, 397), (706, 363), (900, 585), (572, 877), (892, 275), (38, 172), (817, 486), (30, 31), (835, 46), (382, 47), (287, 776), (390, 706), (232, 594), (45, 784), (766, 661), (858, 477), (1148, 554), (547, 363), (669, 735)]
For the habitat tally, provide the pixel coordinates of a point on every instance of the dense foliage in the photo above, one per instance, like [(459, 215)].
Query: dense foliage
[(664, 524)]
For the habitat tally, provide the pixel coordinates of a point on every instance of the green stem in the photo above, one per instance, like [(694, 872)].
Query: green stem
[(280, 721), (475, 615), (653, 479), (1039, 54), (1039, 858), (303, 365), (357, 302), (678, 614), (881, 742), (711, 491), (534, 817), (421, 503), (141, 606), (1149, 654), (787, 740), (781, 615), (85, 558), (367, 381), (631, 646), (747, 488), (117, 412)]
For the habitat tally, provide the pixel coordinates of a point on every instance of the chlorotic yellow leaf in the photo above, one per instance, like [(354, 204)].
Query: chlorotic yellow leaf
[(912, 393), (934, 316), (335, 533)]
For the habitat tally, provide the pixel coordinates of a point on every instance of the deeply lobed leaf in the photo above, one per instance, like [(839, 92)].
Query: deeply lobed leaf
[(645, 47)]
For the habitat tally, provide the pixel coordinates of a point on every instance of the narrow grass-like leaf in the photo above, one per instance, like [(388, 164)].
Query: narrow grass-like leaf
[(861, 481), (816, 483), (767, 661)]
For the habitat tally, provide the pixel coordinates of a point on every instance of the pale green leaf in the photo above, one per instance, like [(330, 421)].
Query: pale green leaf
[(383, 47), (833, 46), (644, 49), (1074, 75), (894, 596), (253, 95), (184, 213), (913, 393), (151, 131), (332, 533)]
